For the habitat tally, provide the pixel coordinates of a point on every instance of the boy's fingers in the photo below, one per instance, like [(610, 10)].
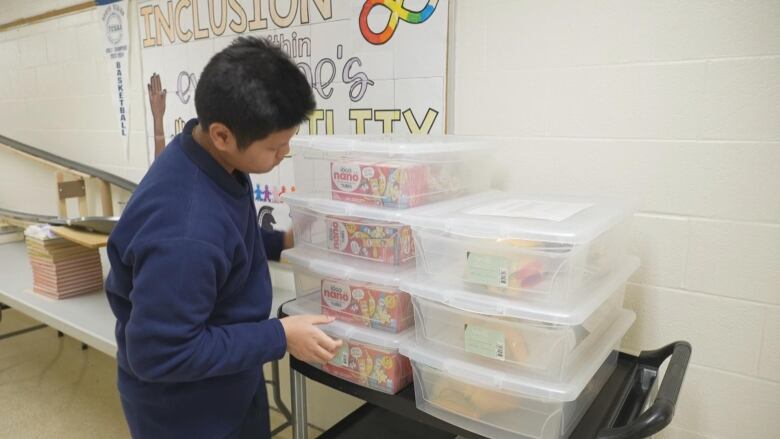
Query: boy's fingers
[(327, 342), (323, 355), (320, 319)]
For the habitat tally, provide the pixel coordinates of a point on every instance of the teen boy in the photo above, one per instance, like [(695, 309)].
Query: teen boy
[(189, 281)]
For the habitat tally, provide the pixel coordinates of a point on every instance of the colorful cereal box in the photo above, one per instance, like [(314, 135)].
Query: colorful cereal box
[(381, 242), (385, 308), (398, 185), (376, 368)]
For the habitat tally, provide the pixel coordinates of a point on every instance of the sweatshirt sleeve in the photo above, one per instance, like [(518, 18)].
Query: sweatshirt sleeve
[(274, 244), (168, 337)]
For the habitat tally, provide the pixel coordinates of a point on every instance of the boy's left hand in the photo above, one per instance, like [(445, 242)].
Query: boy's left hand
[(289, 241)]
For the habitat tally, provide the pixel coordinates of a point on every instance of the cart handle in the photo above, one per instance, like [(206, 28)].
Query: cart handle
[(660, 414)]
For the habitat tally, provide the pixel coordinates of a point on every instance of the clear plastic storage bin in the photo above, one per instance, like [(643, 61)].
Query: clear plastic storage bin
[(356, 292), (501, 405), (519, 246), (367, 233), (392, 171), (516, 337), (367, 357)]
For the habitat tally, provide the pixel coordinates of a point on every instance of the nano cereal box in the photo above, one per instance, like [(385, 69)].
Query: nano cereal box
[(370, 366), (381, 242), (398, 185), (385, 308)]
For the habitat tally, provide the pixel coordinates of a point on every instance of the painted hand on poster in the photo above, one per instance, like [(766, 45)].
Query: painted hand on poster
[(397, 13), (157, 96)]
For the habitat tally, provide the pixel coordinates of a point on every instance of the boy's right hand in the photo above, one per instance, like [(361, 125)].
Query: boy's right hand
[(307, 342)]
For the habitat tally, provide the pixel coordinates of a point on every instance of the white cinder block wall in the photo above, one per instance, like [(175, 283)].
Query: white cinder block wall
[(674, 103), (678, 105), (55, 94)]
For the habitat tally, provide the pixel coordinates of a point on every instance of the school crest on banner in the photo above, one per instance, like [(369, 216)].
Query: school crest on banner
[(113, 15)]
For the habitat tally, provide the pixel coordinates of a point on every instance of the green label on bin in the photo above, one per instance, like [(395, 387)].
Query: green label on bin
[(341, 359), (488, 270), (485, 342)]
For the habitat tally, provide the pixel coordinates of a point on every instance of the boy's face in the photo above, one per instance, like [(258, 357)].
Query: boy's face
[(260, 156)]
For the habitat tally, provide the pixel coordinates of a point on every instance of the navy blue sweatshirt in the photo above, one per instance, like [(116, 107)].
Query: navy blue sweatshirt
[(190, 288)]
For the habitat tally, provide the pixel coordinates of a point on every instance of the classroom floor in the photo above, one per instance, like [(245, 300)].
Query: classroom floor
[(50, 387)]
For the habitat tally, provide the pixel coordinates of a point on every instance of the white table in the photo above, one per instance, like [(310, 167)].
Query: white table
[(85, 318)]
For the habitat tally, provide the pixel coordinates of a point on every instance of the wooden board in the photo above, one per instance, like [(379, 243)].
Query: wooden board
[(87, 239)]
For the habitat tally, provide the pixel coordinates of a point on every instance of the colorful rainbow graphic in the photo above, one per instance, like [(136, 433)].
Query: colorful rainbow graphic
[(397, 12)]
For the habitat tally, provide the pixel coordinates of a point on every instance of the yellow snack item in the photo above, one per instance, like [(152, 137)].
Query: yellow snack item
[(469, 400)]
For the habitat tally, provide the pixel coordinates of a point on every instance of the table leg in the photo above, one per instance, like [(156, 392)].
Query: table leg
[(298, 390), (277, 391), (21, 331), (275, 382)]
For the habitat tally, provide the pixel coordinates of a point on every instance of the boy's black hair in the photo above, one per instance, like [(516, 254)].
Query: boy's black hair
[(253, 88)]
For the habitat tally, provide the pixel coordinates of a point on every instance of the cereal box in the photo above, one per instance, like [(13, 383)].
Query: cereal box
[(376, 368), (389, 184), (382, 242), (385, 308)]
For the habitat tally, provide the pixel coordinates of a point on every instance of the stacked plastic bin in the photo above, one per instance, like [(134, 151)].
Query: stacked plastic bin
[(353, 246), (518, 307), (516, 302)]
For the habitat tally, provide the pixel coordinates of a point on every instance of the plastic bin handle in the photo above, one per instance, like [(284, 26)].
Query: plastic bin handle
[(660, 414)]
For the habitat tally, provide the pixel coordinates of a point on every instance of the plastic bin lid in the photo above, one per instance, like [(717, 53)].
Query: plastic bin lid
[(337, 266), (321, 203), (394, 145), (587, 298), (310, 304), (507, 215), (455, 364)]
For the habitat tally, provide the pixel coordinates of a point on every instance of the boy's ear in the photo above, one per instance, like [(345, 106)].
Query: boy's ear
[(222, 137)]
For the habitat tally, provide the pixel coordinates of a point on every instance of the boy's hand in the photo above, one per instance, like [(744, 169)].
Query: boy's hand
[(306, 342), (289, 242)]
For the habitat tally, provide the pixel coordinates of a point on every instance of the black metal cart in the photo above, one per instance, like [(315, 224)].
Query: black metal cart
[(631, 404)]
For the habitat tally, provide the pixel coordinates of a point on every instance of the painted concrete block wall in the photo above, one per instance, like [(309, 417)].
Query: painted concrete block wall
[(675, 105)]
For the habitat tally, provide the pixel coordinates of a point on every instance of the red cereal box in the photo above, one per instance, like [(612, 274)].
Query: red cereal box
[(363, 304), (381, 369), (382, 242), (388, 184)]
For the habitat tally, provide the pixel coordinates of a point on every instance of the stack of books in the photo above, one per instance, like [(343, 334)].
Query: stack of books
[(61, 268)]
